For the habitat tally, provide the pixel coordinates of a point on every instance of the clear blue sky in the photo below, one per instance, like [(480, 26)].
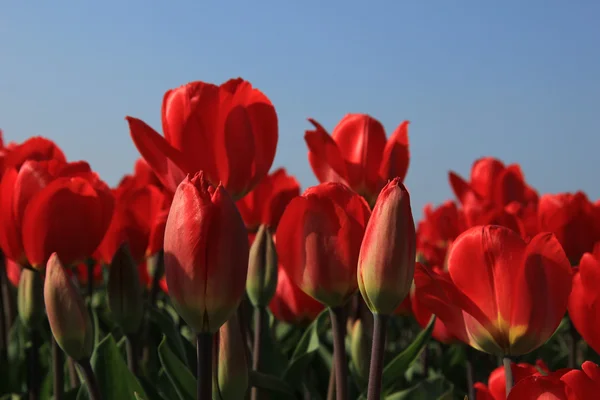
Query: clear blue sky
[(519, 80)]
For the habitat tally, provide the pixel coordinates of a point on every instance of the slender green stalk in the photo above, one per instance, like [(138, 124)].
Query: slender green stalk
[(377, 352), (338, 327), (90, 379), (132, 354), (260, 315), (508, 375), (58, 371)]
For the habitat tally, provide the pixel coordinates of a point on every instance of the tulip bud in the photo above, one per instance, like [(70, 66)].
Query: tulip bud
[(231, 375), (206, 254), (386, 264), (262, 268), (30, 301), (125, 292), (69, 320), (360, 349)]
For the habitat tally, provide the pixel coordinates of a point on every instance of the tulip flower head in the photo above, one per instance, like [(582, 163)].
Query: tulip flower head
[(206, 254), (318, 241), (502, 296), (386, 264)]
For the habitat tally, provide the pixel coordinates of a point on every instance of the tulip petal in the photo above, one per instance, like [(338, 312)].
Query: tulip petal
[(539, 388), (265, 127), (540, 292), (460, 187), (166, 161), (361, 140), (324, 155), (10, 232), (396, 155)]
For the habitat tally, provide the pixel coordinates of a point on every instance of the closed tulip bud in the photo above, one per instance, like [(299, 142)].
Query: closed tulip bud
[(30, 301), (386, 264), (230, 381), (69, 320), (262, 268), (125, 291), (206, 254), (360, 349)]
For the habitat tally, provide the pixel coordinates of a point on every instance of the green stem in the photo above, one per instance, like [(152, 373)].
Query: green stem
[(508, 375), (377, 352), (90, 379), (338, 327), (204, 342)]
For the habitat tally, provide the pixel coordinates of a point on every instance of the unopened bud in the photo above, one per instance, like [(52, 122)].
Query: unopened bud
[(125, 297), (360, 349), (262, 268), (230, 381), (30, 299), (69, 319)]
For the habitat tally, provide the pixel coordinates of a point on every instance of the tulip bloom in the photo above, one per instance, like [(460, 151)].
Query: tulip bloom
[(70, 217), (574, 221), (206, 254), (136, 210), (503, 296), (583, 384), (318, 241), (493, 182), (386, 264), (358, 154), (36, 148), (227, 131), (290, 304), (496, 387), (584, 301), (265, 204), (49, 206), (423, 315)]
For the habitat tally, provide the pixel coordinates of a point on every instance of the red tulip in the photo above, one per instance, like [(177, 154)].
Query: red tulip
[(503, 296), (34, 149), (206, 254), (438, 228), (493, 182), (292, 305), (136, 210), (358, 154), (539, 387), (144, 175), (13, 271), (583, 384), (496, 387), (70, 217), (227, 131), (423, 315), (386, 264), (584, 302), (264, 205), (572, 218), (318, 241)]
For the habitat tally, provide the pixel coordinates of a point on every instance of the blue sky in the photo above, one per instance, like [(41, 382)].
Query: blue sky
[(519, 80)]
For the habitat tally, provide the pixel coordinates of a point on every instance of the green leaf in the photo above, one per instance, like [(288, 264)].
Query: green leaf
[(398, 366), (114, 378), (432, 389), (182, 379), (306, 350), (270, 383), (169, 328), (10, 397)]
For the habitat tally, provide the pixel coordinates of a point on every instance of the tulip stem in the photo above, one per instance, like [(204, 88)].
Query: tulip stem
[(470, 379), (90, 379), (73, 377), (331, 385), (573, 341), (338, 327), (58, 371), (33, 375), (90, 279), (6, 305), (204, 344), (380, 323), (508, 374), (131, 348), (260, 316)]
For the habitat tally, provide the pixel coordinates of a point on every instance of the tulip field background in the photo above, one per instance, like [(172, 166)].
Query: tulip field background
[(320, 201)]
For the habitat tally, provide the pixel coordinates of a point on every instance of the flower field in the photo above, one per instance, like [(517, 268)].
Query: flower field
[(207, 274)]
